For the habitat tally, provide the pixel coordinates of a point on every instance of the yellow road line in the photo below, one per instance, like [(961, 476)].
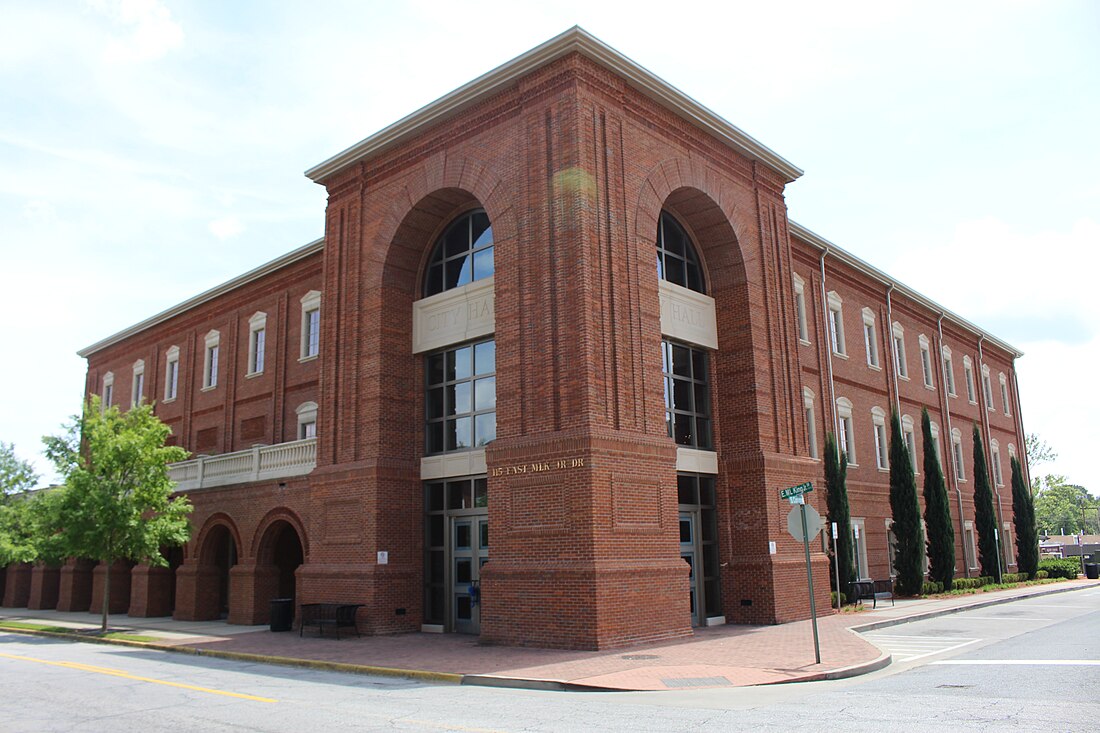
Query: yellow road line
[(128, 676)]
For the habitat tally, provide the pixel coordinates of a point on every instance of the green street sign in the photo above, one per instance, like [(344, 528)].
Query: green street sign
[(796, 490)]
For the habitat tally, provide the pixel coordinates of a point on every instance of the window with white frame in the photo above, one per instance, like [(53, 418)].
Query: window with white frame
[(1004, 393), (900, 365), (969, 548), (137, 386), (968, 373), (935, 430), (210, 361), (836, 324), (800, 309), (870, 338), (995, 459), (909, 435), (811, 421), (878, 419), (957, 454), (171, 373), (1007, 545), (847, 438), (311, 325), (987, 388), (108, 389), (307, 420), (926, 361), (948, 372), (1011, 451), (859, 547), (257, 343)]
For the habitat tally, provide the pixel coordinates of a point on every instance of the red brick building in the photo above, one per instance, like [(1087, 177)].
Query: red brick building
[(542, 381)]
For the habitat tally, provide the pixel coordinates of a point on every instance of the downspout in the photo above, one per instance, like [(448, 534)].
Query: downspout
[(988, 444), (947, 427), (829, 347), (893, 354)]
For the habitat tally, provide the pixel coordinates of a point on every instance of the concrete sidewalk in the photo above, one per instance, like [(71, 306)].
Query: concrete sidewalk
[(722, 656)]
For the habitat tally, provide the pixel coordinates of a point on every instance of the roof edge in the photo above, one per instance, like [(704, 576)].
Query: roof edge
[(870, 270), (255, 274), (576, 39)]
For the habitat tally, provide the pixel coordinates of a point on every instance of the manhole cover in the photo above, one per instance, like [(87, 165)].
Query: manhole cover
[(634, 657)]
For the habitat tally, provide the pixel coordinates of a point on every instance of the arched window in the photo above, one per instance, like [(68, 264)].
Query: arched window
[(463, 254), (676, 259)]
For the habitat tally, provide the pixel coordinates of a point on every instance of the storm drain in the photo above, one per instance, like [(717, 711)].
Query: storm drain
[(698, 682)]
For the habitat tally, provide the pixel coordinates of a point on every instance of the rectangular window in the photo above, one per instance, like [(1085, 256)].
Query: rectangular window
[(899, 356), (139, 389), (880, 446), (836, 330), (811, 428), (211, 372), (910, 445), (1004, 395), (847, 439), (987, 390), (957, 450), (926, 365), (256, 351), (859, 546), (307, 430), (996, 461), (949, 374), (968, 545), (872, 344), (461, 398), (108, 394), (800, 310), (171, 374), (968, 373), (313, 333), (687, 395)]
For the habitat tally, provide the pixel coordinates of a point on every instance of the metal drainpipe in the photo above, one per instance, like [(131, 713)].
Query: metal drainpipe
[(988, 445), (947, 427), (893, 354), (829, 348)]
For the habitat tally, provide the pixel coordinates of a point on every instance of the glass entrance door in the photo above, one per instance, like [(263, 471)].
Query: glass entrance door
[(469, 551), (689, 551)]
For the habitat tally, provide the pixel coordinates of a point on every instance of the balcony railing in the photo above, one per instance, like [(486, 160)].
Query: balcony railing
[(264, 462)]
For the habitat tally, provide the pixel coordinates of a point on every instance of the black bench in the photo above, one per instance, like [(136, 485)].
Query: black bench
[(871, 590), (331, 615)]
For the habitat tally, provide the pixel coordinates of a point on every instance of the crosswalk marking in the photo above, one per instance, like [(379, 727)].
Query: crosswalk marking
[(908, 648), (1021, 662)]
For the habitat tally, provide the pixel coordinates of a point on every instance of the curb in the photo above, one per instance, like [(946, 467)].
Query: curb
[(886, 623)]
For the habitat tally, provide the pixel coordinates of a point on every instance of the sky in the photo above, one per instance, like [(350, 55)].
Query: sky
[(152, 149)]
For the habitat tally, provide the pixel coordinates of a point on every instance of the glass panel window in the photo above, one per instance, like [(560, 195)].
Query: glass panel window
[(462, 255), (460, 398), (171, 374), (687, 398), (676, 259), (800, 309)]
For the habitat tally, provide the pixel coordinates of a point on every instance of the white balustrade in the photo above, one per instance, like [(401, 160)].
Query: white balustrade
[(264, 462)]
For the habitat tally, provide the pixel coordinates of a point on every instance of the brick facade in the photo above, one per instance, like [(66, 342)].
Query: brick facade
[(573, 158)]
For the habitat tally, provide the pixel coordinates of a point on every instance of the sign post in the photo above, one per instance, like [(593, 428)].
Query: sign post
[(795, 496)]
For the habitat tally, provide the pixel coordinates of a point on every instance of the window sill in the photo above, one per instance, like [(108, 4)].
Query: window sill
[(874, 367), (252, 375), (168, 400), (930, 387), (840, 355), (804, 342), (883, 469), (972, 402), (903, 377), (209, 388), (311, 357), (952, 395)]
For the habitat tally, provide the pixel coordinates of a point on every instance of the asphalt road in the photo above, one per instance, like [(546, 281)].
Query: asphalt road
[(1028, 665)]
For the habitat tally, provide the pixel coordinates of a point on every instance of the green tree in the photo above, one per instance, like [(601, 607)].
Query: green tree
[(985, 520), (17, 477), (937, 512), (1023, 511), (836, 472), (1064, 508), (908, 535), (116, 501)]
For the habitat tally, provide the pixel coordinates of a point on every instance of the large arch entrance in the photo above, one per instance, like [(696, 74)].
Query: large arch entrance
[(220, 555)]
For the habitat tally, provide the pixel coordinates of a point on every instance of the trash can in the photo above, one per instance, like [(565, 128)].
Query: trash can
[(282, 614), (1092, 571)]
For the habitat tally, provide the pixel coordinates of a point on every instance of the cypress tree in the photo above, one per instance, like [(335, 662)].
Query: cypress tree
[(908, 536), (985, 520), (1027, 537), (937, 512), (836, 471)]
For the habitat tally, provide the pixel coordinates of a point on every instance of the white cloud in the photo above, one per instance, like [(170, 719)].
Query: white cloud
[(152, 32), (226, 227)]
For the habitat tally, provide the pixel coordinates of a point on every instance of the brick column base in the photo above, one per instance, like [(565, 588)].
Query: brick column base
[(75, 592), (251, 589), (17, 589), (45, 586), (197, 592), (151, 591), (120, 587)]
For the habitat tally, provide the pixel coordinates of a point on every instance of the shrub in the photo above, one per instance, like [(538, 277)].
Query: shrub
[(931, 587), (1041, 575), (843, 598), (967, 583), (1060, 567), (1014, 577)]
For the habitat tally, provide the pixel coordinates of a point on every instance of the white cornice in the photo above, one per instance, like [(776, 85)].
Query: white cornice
[(856, 263), (576, 39), (261, 271)]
